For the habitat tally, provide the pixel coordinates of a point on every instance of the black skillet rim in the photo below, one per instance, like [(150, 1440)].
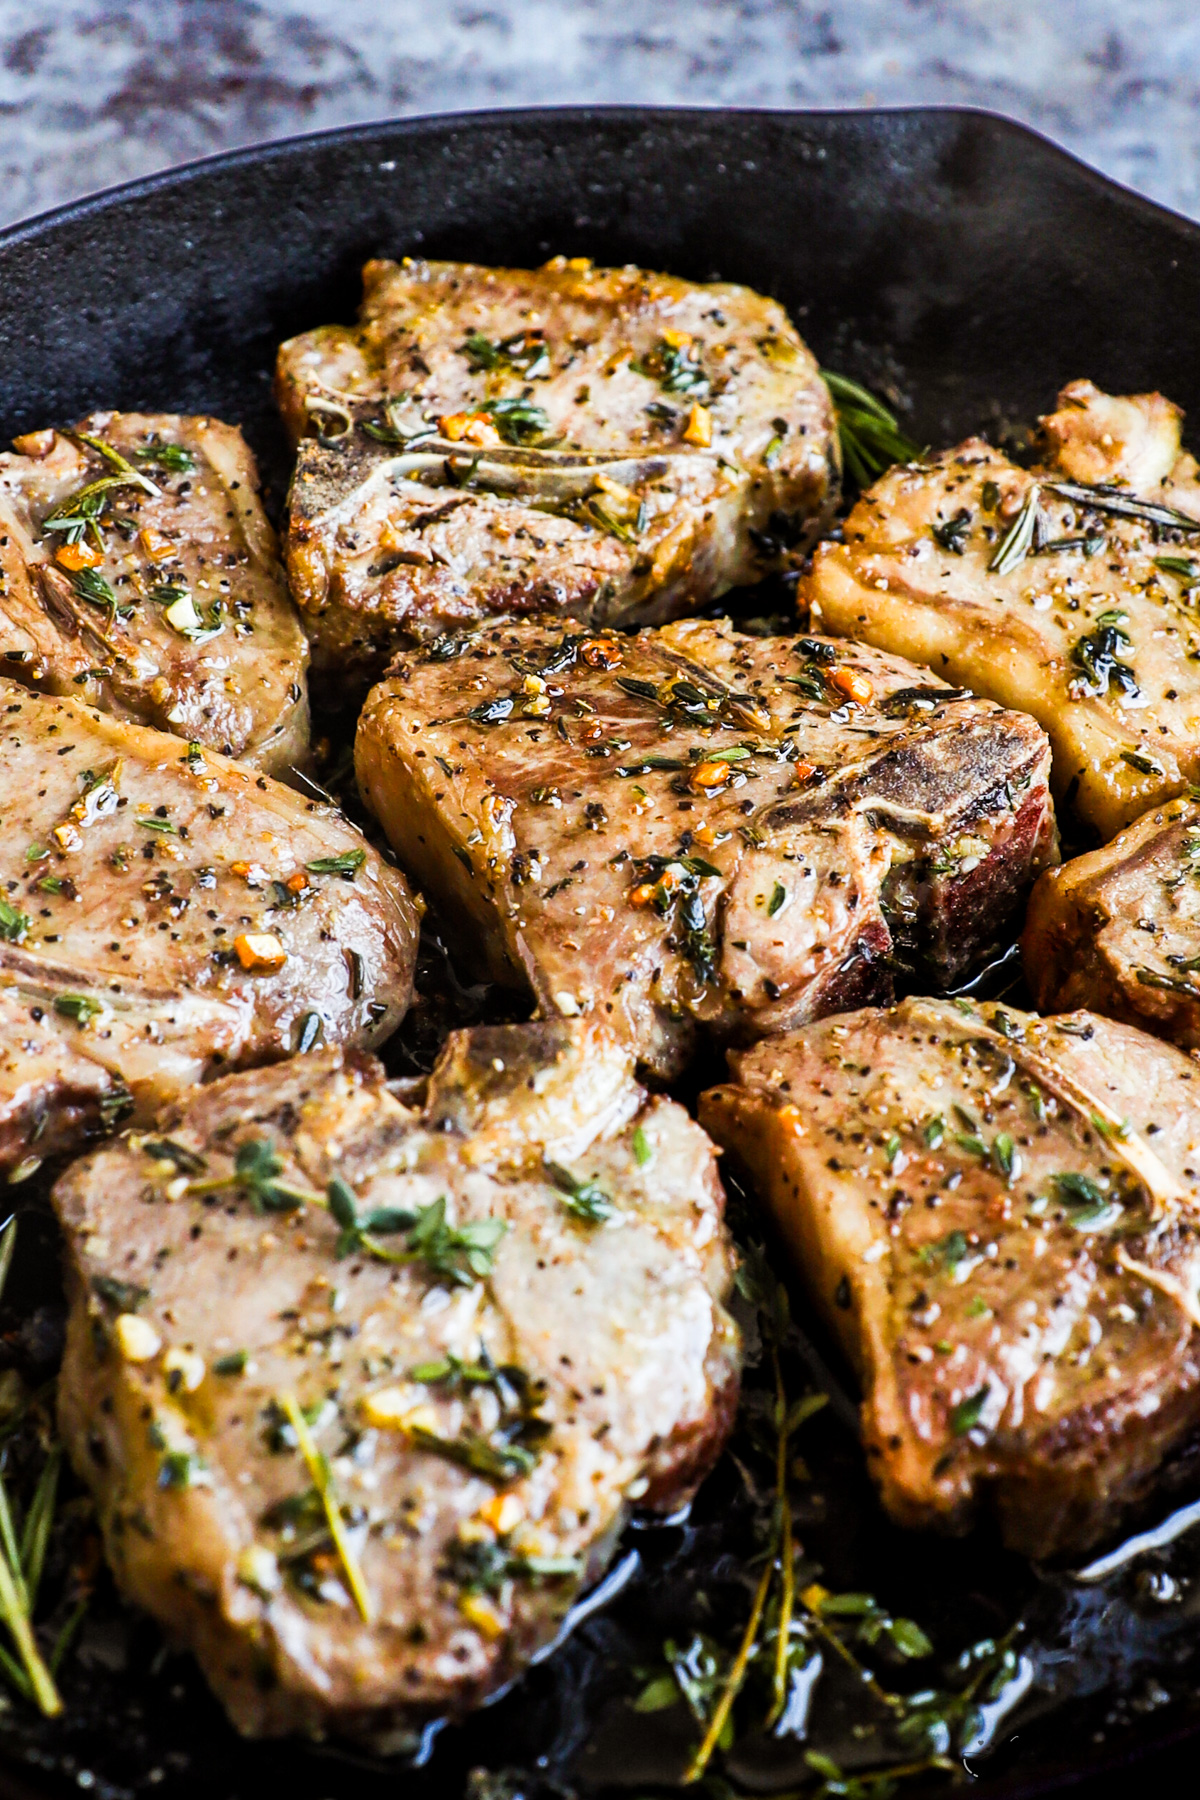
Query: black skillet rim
[(1127, 1755)]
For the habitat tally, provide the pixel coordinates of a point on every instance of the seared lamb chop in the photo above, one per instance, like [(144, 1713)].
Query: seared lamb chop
[(1119, 929), (139, 573), (1000, 1217), (604, 442), (364, 1466), (1068, 591), (165, 915), (695, 826)]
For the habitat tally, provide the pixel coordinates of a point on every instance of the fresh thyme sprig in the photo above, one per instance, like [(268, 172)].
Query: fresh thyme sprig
[(322, 1480), (759, 1285), (22, 1559), (869, 434), (461, 1254), (514, 1445), (256, 1168), (785, 1626), (584, 1200)]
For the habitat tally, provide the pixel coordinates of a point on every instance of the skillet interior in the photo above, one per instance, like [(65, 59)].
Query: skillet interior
[(950, 258)]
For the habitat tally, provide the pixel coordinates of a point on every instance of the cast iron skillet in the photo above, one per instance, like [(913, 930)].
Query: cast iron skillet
[(957, 261)]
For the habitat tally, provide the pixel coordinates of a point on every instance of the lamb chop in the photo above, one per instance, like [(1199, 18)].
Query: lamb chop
[(365, 1378), (138, 573), (608, 443), (1118, 930), (166, 915), (999, 1216), (1068, 591), (696, 827)]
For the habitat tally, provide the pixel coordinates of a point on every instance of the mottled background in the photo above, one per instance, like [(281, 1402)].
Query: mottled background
[(92, 93)]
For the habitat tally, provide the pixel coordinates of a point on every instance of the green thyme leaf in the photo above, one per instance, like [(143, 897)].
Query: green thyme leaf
[(1014, 546), (1004, 1156), (906, 1636), (1126, 506), (179, 1469), (517, 420), (13, 924), (80, 1007), (585, 1200), (966, 1415), (1145, 765), (172, 457), (870, 436), (122, 1296), (348, 863)]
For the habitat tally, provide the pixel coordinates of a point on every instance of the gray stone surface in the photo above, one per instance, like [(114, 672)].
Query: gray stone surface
[(92, 93)]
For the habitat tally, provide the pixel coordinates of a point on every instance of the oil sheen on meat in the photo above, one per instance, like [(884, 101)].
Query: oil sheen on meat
[(166, 915), (513, 1330), (611, 443), (1000, 1217), (138, 573), (697, 828), (1067, 591), (1118, 930)]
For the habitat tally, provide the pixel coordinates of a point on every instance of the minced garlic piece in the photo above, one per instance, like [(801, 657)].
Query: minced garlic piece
[(258, 1570), (137, 1339), (392, 1409)]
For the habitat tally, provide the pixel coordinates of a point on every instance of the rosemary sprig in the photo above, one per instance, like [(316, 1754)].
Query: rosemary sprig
[(133, 477), (1017, 541), (869, 434), (500, 1463), (318, 1469), (14, 1611), (1125, 506), (82, 511), (20, 1574), (35, 1537)]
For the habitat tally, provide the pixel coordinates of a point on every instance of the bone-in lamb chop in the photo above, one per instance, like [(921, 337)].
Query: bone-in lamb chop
[(139, 573), (1000, 1218), (608, 443), (698, 827), (365, 1384), (166, 915), (1068, 591), (1118, 930)]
